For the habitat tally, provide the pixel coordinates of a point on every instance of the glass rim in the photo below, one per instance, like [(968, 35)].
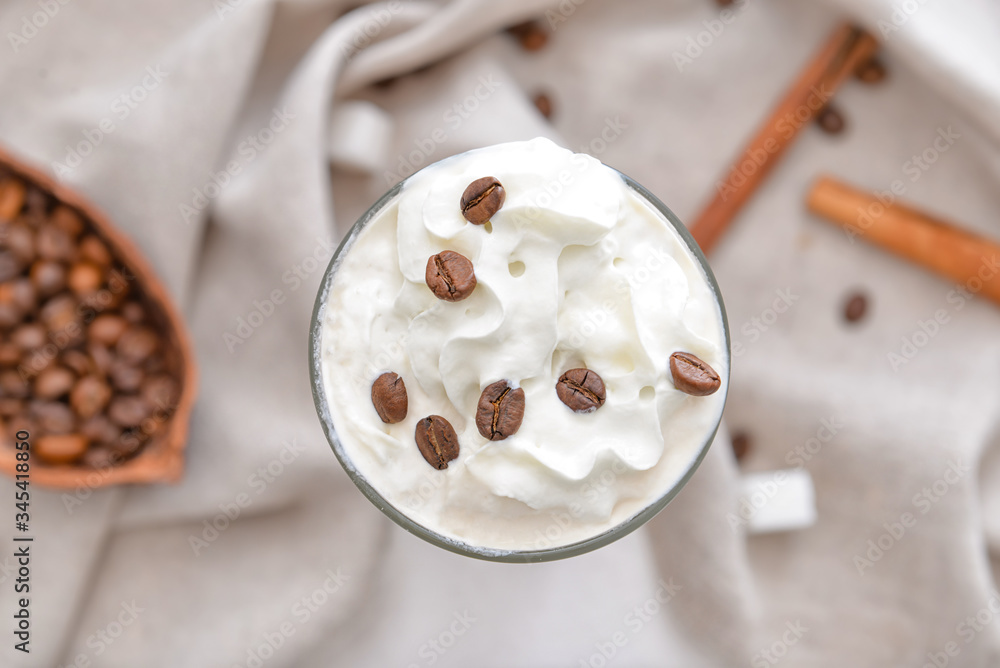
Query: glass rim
[(606, 537)]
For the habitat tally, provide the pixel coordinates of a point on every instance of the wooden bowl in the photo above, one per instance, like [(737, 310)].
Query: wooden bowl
[(161, 458)]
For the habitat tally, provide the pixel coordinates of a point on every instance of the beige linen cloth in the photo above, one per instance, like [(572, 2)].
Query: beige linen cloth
[(309, 573)]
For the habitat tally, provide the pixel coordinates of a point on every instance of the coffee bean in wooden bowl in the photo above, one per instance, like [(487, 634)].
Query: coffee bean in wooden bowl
[(95, 361)]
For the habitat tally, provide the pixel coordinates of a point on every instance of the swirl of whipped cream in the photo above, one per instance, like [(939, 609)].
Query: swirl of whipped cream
[(575, 270)]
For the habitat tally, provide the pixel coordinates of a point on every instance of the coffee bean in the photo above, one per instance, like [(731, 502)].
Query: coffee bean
[(23, 294), (543, 104), (107, 328), (534, 41), (35, 363), (99, 458), (19, 240), (389, 398), (133, 312), (53, 243), (10, 315), (9, 407), (128, 411), (99, 429), (85, 278), (136, 344), (155, 364), (19, 292), (129, 443), (60, 449), (10, 266), (67, 220), (856, 307), (29, 336), (103, 359), (450, 276), (53, 417), (12, 193), (125, 377), (530, 35), (36, 203), (437, 441), (16, 299), (103, 300), (77, 361), (582, 390), (830, 120), (54, 382), (741, 445), (692, 375), (482, 199), (89, 396), (59, 313), (12, 385), (48, 277), (93, 250), (21, 422), (500, 411), (871, 71), (10, 353)]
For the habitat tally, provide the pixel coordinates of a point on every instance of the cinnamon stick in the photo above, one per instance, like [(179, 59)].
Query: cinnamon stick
[(848, 47), (963, 257)]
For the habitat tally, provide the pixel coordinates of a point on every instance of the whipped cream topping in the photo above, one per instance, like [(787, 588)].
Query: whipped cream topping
[(575, 270)]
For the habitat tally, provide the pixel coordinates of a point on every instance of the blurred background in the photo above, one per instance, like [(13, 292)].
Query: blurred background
[(235, 142)]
